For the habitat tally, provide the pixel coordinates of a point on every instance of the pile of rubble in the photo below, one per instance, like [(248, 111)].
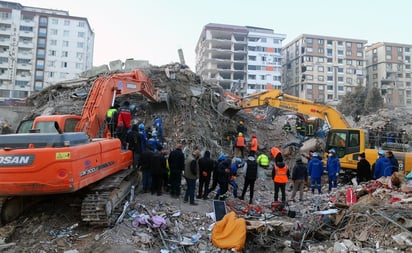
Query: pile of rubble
[(370, 217)]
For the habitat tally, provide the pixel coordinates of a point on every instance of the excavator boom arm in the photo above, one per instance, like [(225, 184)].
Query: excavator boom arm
[(102, 95), (277, 99)]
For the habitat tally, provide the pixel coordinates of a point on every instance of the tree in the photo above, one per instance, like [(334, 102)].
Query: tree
[(374, 100), (353, 103)]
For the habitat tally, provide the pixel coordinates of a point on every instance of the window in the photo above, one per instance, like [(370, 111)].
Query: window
[(263, 40), (80, 34), (81, 24), (340, 61), (340, 52), (65, 43), (349, 71), (53, 32), (252, 58), (309, 40), (42, 32), (330, 87), (40, 53), (329, 42), (388, 49), (340, 43), (40, 64), (41, 42), (359, 54), (65, 53), (321, 68), (320, 87), (321, 50), (359, 45), (64, 64), (348, 80), (54, 21), (79, 56), (340, 79), (251, 77), (340, 70), (51, 63), (320, 41), (24, 28), (309, 86), (79, 65), (309, 77), (51, 74), (321, 59), (348, 53), (5, 15), (66, 22), (39, 75), (309, 50), (321, 78), (340, 88), (263, 58), (52, 52), (348, 44), (262, 77), (43, 21), (329, 52), (66, 33), (348, 62), (53, 42), (388, 57), (330, 78)]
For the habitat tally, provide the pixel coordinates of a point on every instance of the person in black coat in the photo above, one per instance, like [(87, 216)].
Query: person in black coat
[(223, 178), (299, 177), (251, 175), (145, 166), (176, 161), (158, 169), (363, 169), (206, 167)]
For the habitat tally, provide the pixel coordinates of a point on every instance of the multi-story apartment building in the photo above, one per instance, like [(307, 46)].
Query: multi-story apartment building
[(241, 59), (323, 68), (388, 68), (39, 47)]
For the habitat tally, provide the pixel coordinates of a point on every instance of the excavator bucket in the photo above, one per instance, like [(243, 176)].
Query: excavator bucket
[(227, 109)]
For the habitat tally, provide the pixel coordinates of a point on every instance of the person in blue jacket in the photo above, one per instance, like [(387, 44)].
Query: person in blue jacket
[(333, 168), (383, 166), (315, 171)]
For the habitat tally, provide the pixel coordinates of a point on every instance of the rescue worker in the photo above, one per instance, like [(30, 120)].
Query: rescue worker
[(287, 127), (363, 169), (383, 166), (220, 159), (134, 143), (111, 119), (206, 165), (158, 169), (241, 128), (251, 168), (253, 145), (240, 144), (145, 166), (394, 161), (154, 141), (236, 164), (315, 171), (333, 168), (263, 160), (299, 176), (176, 162), (191, 175), (223, 178), (276, 154), (158, 125), (124, 120), (280, 175)]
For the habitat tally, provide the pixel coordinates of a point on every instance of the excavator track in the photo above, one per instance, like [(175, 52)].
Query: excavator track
[(102, 203)]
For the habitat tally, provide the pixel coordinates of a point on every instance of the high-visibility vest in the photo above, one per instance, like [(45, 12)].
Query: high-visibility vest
[(281, 174), (110, 112), (240, 142), (275, 151), (263, 160), (253, 144)]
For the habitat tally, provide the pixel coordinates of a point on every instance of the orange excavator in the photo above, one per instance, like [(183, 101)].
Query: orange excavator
[(68, 153)]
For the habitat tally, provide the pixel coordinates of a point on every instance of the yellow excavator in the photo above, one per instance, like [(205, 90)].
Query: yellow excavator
[(348, 142)]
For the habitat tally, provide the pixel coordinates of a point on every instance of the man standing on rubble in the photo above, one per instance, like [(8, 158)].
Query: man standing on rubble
[(280, 175), (177, 165), (363, 169), (251, 168), (333, 168), (253, 145), (223, 178), (394, 162), (191, 175), (124, 121), (382, 166), (158, 169), (206, 165), (315, 171), (299, 176), (215, 173), (111, 119)]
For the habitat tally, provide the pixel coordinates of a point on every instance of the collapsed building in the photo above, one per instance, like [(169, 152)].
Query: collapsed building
[(188, 108)]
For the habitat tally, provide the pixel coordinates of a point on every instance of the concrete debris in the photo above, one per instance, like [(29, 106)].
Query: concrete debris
[(378, 218)]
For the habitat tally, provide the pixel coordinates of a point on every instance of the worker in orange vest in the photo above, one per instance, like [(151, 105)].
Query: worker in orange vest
[(280, 175), (241, 144), (277, 154), (253, 145)]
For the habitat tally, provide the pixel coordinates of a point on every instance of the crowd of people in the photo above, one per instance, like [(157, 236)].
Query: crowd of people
[(163, 170)]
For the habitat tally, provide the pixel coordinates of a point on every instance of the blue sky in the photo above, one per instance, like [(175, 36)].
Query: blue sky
[(155, 29)]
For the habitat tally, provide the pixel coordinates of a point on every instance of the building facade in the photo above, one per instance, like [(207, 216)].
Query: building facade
[(323, 68), (241, 59), (39, 47), (388, 68)]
